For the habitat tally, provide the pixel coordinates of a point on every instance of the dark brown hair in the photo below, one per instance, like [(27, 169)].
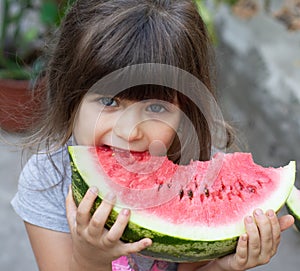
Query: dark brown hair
[(98, 37)]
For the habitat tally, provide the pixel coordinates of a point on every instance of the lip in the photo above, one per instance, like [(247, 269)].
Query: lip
[(122, 150)]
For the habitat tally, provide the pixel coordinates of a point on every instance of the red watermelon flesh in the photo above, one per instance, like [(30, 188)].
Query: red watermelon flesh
[(190, 196)]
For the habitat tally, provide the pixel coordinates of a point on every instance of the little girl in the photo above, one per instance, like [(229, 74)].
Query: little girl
[(97, 38)]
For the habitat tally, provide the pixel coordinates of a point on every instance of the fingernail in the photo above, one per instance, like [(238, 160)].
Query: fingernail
[(110, 197), (258, 212), (94, 190), (244, 237), (125, 212), (249, 219), (147, 243), (270, 213)]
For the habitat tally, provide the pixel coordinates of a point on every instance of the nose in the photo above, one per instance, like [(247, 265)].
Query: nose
[(128, 126)]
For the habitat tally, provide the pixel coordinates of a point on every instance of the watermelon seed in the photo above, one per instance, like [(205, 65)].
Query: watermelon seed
[(259, 183), (159, 187), (220, 194), (190, 194), (181, 193), (169, 185), (201, 197), (206, 192), (240, 195), (251, 188), (238, 185)]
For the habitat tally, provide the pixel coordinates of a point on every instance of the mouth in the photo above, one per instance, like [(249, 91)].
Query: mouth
[(116, 149)]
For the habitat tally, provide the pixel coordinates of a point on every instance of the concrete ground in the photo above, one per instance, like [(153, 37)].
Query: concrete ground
[(16, 253)]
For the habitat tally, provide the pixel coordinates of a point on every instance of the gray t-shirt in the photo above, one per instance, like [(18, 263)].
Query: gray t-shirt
[(42, 190)]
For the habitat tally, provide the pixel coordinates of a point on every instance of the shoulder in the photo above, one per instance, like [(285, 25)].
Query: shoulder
[(45, 170), (42, 190)]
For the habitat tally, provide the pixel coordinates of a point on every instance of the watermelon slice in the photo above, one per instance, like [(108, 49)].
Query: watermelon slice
[(293, 206), (191, 213)]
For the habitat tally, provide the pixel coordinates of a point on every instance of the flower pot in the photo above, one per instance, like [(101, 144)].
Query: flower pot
[(19, 105)]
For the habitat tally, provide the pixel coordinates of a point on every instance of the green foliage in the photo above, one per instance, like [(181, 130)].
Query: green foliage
[(228, 2), (25, 25), (207, 18)]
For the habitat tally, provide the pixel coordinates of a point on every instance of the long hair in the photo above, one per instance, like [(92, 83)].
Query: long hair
[(98, 37)]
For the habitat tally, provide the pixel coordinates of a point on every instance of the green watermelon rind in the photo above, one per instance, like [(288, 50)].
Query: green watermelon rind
[(163, 246), (203, 244), (293, 206)]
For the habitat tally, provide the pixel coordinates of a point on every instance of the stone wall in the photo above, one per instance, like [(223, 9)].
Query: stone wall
[(259, 84)]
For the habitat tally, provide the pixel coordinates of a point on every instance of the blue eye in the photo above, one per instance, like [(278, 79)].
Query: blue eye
[(156, 108), (108, 101)]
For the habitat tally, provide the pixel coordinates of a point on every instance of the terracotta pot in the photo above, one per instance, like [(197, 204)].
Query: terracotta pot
[(19, 105)]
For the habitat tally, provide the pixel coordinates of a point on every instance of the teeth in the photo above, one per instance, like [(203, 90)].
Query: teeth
[(120, 150), (114, 149)]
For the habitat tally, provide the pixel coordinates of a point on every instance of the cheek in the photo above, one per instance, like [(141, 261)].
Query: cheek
[(164, 134), (170, 137), (165, 131), (84, 127), (82, 132)]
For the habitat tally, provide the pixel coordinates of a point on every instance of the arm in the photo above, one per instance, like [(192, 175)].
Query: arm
[(89, 246), (255, 248), (46, 242)]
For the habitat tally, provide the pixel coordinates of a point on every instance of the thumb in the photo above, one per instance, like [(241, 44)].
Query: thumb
[(71, 209), (285, 222)]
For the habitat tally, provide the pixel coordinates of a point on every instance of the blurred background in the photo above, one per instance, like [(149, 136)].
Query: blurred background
[(258, 80)]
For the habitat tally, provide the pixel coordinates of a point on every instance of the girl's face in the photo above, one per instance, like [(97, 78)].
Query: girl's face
[(148, 125)]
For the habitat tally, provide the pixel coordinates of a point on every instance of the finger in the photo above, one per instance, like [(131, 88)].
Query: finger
[(83, 211), (276, 231), (138, 246), (286, 221), (97, 222), (116, 231), (253, 239), (71, 209), (241, 255), (266, 235)]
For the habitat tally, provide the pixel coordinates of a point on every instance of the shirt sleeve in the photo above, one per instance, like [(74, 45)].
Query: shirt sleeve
[(42, 189)]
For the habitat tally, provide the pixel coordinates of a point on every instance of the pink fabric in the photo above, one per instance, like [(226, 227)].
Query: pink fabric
[(159, 266), (121, 264)]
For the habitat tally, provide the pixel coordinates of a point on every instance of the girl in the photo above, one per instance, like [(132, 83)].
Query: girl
[(97, 38)]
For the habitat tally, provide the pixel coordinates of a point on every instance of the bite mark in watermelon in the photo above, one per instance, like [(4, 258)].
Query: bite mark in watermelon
[(293, 206), (187, 217)]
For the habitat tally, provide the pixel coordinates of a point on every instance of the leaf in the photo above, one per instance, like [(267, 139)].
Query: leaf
[(208, 19), (31, 34), (49, 13), (18, 74)]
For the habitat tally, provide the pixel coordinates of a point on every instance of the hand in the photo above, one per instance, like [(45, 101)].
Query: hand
[(254, 248), (93, 245), (260, 243)]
